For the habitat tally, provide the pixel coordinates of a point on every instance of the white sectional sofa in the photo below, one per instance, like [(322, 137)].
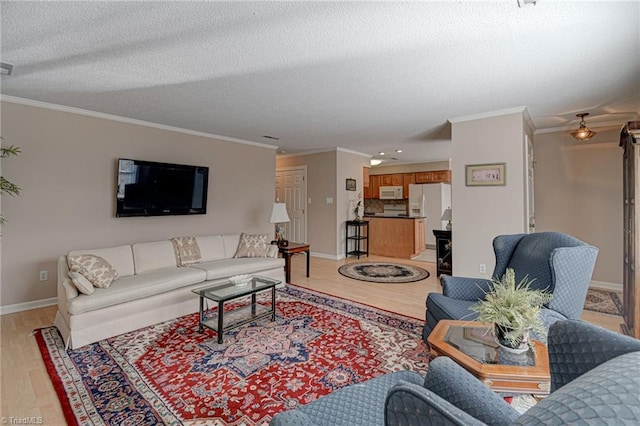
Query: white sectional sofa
[(151, 288)]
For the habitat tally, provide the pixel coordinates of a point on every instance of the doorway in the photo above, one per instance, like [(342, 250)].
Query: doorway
[(291, 189)]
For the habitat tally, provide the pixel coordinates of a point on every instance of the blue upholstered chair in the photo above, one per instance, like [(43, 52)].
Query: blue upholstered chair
[(595, 379), (558, 262)]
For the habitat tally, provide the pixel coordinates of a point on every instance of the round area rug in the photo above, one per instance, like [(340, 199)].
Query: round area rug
[(383, 272)]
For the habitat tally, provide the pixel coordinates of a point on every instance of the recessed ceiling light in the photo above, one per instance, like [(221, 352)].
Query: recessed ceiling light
[(282, 151), (398, 151), (375, 162), (381, 153)]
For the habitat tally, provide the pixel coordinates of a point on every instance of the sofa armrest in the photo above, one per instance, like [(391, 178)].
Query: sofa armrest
[(456, 385), (461, 288), (576, 347), (272, 251), (291, 418), (409, 404)]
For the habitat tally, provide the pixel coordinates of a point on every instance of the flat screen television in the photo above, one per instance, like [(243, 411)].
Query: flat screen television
[(147, 188)]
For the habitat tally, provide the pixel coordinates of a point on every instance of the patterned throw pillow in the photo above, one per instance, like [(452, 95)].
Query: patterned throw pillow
[(83, 285), (94, 268), (252, 245)]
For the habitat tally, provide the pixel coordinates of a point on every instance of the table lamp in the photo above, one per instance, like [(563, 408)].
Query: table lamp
[(279, 215), (446, 215)]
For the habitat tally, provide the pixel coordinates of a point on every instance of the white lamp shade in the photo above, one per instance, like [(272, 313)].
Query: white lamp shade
[(279, 213), (446, 215)]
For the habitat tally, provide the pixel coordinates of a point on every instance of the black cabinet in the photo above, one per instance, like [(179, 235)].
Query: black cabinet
[(444, 255), (356, 238)]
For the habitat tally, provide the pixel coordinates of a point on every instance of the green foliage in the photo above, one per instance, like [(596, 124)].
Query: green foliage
[(7, 187), (513, 306)]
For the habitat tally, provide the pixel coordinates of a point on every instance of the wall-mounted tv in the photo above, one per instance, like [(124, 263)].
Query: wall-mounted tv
[(147, 188)]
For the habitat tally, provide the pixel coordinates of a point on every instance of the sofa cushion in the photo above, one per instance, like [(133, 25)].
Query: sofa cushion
[(81, 283), (252, 245), (120, 258), (211, 247), (94, 268), (153, 256), (230, 243), (136, 287), (223, 268)]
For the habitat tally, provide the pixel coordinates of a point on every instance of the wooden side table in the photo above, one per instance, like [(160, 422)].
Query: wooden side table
[(288, 251), (469, 344)]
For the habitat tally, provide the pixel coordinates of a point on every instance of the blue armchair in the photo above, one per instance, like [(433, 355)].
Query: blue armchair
[(595, 377), (558, 262)]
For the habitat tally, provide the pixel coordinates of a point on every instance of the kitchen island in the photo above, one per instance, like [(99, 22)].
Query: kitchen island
[(396, 236)]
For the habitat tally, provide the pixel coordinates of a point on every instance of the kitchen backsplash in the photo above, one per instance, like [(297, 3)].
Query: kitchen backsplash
[(374, 205)]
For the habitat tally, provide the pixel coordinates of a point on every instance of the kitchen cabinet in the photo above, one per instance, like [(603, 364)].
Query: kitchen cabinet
[(441, 176), (373, 191), (365, 177), (396, 179), (435, 176), (407, 179), (386, 180), (423, 177), (395, 237)]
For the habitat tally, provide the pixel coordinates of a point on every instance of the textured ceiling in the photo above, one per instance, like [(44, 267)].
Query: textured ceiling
[(368, 77)]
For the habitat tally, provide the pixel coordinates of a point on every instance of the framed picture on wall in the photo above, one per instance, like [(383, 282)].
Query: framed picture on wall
[(493, 174), (351, 185)]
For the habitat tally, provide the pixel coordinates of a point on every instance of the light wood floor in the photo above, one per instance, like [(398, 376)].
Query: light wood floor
[(26, 390)]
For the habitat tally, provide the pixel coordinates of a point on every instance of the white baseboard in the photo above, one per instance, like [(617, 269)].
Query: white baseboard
[(19, 307), (606, 286), (326, 256)]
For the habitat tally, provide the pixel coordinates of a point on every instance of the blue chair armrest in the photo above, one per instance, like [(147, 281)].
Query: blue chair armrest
[(462, 288), (459, 387), (409, 404), (576, 347), (291, 418)]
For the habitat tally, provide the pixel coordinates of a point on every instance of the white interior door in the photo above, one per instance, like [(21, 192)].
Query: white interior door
[(291, 189), (529, 195)]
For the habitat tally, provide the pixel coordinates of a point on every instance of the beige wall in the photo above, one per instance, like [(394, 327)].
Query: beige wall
[(349, 165), (408, 168), (326, 178), (578, 190), (481, 213), (67, 171), (321, 184)]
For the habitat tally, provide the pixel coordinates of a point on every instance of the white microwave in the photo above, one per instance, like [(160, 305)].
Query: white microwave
[(391, 193)]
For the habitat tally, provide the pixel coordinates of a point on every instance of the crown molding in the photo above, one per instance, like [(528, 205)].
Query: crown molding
[(516, 110), (349, 151), (111, 117)]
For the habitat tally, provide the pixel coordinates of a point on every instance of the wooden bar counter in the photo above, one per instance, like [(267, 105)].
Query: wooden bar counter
[(400, 237)]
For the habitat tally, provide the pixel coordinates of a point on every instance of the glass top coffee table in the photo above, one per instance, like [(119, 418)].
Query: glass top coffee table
[(471, 345), (222, 321)]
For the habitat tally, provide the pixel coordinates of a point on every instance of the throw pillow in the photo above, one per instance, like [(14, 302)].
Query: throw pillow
[(94, 268), (82, 284), (252, 245)]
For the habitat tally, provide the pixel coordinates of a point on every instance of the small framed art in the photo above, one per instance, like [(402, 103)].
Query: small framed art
[(494, 174), (351, 185)]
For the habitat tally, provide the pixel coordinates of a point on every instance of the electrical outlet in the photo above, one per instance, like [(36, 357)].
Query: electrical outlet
[(483, 268), (44, 275)]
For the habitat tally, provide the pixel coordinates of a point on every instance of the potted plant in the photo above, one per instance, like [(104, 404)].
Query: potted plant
[(514, 309), (6, 186)]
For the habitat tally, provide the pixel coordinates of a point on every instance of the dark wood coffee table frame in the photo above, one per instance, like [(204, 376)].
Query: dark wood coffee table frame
[(228, 291), (535, 380)]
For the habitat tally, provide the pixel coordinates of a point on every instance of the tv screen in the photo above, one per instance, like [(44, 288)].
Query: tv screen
[(147, 188)]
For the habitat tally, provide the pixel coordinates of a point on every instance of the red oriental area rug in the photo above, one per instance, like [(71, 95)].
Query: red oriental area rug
[(172, 374)]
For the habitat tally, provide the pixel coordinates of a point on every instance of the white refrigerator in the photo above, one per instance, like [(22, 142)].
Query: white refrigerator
[(430, 200)]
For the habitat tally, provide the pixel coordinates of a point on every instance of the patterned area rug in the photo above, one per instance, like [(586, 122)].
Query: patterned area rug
[(604, 301), (383, 272), (172, 374)]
